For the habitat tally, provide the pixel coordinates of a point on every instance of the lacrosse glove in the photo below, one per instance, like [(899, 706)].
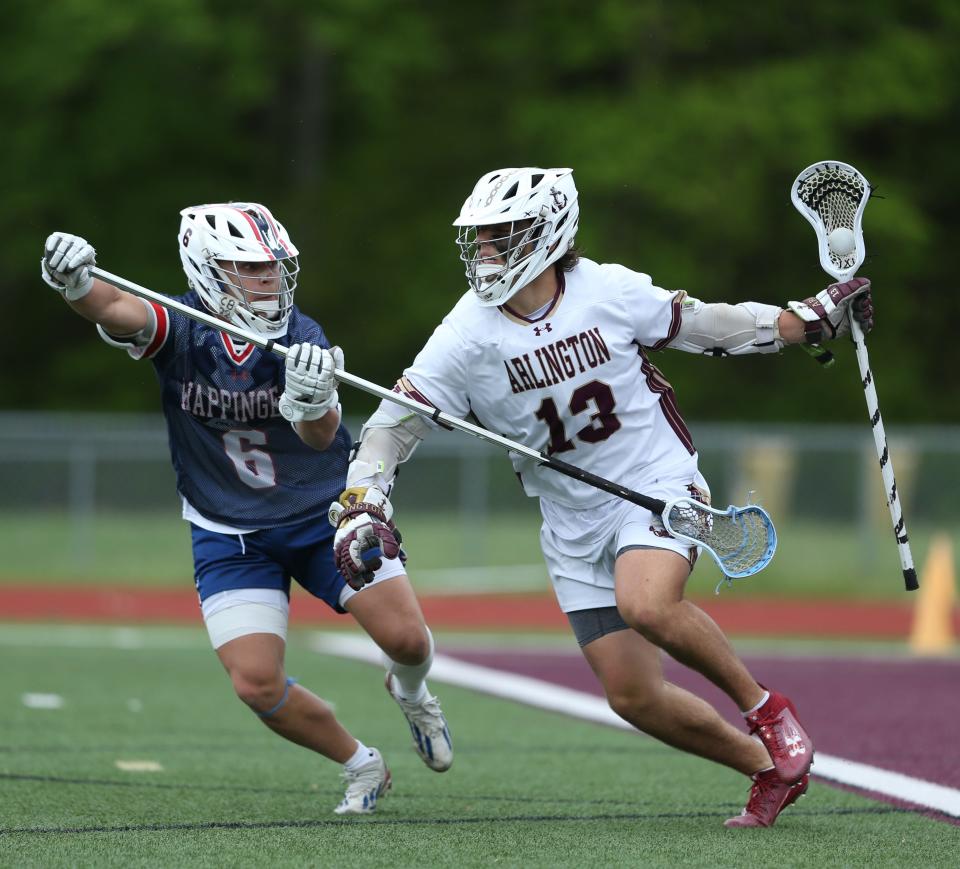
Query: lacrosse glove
[(66, 264), (365, 534)]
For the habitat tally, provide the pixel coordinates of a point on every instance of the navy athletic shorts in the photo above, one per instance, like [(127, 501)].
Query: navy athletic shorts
[(269, 558)]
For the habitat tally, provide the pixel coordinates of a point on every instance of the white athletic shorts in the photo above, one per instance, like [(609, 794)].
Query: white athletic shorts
[(581, 546)]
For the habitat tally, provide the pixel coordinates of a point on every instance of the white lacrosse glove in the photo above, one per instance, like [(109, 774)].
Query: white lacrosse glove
[(825, 314), (311, 388), (365, 534), (66, 263)]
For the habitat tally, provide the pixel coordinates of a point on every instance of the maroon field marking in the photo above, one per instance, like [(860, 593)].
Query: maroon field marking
[(895, 714)]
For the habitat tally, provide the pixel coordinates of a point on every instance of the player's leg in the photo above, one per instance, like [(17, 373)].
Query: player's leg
[(389, 612), (247, 628), (255, 665), (649, 594), (587, 584), (629, 669)]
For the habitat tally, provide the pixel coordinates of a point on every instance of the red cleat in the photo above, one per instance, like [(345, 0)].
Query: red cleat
[(777, 726), (768, 797)]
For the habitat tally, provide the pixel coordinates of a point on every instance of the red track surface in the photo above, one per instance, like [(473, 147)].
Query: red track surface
[(737, 615)]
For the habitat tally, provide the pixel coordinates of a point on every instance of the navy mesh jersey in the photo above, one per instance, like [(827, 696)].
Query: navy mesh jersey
[(236, 459)]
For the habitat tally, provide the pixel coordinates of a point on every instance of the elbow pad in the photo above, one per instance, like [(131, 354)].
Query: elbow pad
[(719, 329)]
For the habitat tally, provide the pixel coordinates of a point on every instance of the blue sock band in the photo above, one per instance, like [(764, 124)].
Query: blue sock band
[(286, 694)]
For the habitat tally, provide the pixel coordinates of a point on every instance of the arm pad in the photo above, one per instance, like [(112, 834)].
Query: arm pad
[(387, 440), (718, 329)]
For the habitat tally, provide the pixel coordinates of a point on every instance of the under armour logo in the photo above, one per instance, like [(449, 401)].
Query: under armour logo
[(537, 330), (794, 742)]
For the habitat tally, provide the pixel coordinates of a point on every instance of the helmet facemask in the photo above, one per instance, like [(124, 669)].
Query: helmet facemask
[(241, 263), (492, 254), (514, 224), (263, 289)]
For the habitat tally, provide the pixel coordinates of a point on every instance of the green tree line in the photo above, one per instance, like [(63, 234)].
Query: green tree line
[(364, 125)]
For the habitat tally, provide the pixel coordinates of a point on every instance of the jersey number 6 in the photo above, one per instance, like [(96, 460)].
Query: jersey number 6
[(254, 467), (603, 423)]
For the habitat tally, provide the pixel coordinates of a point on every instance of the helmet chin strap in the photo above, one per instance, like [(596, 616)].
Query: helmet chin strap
[(267, 307), (489, 272)]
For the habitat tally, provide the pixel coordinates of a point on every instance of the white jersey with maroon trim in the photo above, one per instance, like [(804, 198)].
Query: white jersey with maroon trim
[(575, 382)]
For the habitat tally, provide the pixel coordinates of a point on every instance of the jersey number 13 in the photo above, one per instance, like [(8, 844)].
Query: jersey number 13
[(603, 422)]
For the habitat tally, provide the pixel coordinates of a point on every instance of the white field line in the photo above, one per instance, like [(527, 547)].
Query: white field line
[(578, 704)]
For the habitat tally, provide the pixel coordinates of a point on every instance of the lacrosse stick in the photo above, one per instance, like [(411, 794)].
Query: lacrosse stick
[(742, 540), (832, 196)]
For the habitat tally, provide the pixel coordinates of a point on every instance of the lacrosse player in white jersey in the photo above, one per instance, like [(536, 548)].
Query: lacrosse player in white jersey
[(259, 451), (553, 350)]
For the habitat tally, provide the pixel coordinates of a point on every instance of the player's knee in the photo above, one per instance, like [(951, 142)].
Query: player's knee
[(259, 689), (647, 618), (407, 647), (632, 705)]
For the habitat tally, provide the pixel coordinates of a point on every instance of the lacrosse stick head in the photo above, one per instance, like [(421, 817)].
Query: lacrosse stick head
[(832, 196), (742, 540)]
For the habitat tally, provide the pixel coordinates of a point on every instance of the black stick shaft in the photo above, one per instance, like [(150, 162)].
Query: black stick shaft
[(440, 418), (653, 504)]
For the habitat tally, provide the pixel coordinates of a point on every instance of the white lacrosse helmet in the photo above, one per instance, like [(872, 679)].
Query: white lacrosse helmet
[(539, 213), (216, 241)]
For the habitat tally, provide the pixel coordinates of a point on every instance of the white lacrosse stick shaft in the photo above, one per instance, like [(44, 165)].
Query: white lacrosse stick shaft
[(836, 193), (759, 555)]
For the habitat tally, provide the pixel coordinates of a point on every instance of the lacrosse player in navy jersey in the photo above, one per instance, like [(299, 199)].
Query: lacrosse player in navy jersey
[(553, 350), (259, 453)]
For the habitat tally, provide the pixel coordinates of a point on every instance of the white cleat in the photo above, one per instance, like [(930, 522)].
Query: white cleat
[(364, 787), (431, 737)]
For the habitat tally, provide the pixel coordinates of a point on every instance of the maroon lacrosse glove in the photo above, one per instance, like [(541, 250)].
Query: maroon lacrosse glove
[(825, 314), (862, 309), (365, 534)]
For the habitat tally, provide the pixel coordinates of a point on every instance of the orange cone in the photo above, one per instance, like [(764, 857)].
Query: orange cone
[(932, 632)]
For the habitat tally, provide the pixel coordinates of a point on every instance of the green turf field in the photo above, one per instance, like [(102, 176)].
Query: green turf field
[(528, 788), (447, 553)]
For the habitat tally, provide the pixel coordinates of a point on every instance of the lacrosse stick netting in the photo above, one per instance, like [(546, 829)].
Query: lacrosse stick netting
[(741, 540), (832, 195)]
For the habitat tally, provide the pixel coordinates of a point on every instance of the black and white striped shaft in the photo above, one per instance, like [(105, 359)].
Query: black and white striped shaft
[(883, 454), (831, 194)]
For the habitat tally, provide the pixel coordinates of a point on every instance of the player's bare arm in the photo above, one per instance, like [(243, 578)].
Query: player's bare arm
[(319, 433)]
